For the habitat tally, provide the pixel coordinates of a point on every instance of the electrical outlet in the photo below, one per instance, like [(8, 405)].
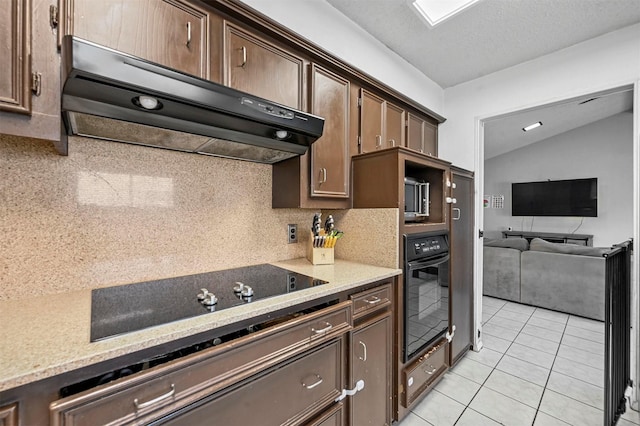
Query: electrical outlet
[(292, 233)]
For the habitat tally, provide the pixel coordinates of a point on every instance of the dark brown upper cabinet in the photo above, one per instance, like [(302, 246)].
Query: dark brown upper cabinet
[(15, 80), (174, 33), (382, 123), (330, 153), (422, 135), (321, 177), (30, 78), (256, 66), (395, 125), (371, 122)]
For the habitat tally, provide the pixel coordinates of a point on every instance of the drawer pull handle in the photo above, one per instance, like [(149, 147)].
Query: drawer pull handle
[(433, 370), (316, 383), (373, 300), (364, 352), (322, 330), (188, 35), (141, 405)]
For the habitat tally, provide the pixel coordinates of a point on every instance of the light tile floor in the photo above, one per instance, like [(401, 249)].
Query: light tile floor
[(537, 367)]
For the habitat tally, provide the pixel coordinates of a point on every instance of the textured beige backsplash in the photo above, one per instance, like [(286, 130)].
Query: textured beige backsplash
[(113, 213), (371, 236)]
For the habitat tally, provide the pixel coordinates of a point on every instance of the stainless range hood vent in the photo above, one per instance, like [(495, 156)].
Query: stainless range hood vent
[(114, 96)]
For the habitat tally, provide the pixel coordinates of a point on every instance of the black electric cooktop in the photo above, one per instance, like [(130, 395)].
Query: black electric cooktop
[(122, 309)]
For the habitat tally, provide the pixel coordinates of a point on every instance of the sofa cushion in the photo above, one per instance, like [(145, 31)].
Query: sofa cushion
[(514, 243), (538, 244)]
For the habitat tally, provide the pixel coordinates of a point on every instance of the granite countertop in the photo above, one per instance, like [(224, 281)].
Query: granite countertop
[(49, 335)]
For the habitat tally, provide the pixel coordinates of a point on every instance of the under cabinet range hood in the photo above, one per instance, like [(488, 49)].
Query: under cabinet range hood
[(111, 95)]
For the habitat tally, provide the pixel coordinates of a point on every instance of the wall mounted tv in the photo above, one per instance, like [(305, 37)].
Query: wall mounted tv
[(574, 197)]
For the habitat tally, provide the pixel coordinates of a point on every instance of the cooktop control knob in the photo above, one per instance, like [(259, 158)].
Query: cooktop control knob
[(203, 295), (247, 291), (210, 299), (238, 287)]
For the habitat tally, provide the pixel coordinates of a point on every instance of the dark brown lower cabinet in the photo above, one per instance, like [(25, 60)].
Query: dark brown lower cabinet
[(371, 362), (286, 396), (298, 369), (9, 415)]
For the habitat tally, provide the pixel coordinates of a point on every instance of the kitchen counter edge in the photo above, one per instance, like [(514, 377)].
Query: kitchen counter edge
[(49, 335)]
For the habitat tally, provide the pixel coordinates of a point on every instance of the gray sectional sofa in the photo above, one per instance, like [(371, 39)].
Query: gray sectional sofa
[(563, 277)]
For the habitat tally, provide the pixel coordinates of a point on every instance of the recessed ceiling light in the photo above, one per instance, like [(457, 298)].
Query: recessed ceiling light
[(435, 12), (532, 126)]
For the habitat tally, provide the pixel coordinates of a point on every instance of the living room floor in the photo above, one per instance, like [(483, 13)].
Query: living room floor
[(537, 367)]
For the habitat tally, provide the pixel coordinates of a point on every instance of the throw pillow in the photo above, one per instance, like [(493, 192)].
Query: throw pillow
[(538, 244), (513, 243)]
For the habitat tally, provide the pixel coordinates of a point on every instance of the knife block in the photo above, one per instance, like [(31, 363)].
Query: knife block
[(319, 255)]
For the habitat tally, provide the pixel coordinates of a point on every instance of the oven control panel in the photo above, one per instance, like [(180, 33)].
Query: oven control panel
[(424, 246)]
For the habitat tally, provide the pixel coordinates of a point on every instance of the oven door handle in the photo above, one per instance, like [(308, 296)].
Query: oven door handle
[(419, 264)]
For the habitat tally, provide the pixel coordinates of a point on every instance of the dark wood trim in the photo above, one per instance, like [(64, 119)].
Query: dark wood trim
[(243, 13)]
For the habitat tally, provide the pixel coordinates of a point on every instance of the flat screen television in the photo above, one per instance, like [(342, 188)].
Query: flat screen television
[(574, 197)]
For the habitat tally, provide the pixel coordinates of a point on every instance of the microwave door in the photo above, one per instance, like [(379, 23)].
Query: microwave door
[(422, 209)]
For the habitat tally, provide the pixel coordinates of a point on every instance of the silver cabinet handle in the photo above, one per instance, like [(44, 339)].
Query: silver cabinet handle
[(188, 34), (316, 383), (141, 405), (373, 300), (243, 49), (322, 330), (324, 175), (364, 351), (456, 210), (392, 142), (433, 370), (378, 141)]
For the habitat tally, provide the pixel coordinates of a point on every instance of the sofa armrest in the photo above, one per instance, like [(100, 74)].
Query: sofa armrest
[(568, 283), (501, 273)]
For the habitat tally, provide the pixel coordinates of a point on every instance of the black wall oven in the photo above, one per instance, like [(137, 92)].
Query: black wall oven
[(426, 290)]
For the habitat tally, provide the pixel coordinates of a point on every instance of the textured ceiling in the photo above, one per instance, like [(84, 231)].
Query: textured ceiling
[(489, 36), (497, 34)]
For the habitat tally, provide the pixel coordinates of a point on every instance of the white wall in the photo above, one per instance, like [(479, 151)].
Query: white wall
[(603, 149), (604, 62), (325, 26)]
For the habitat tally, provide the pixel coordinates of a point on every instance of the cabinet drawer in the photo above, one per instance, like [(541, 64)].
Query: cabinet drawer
[(371, 300), (152, 394), (331, 417), (287, 396), (422, 373)]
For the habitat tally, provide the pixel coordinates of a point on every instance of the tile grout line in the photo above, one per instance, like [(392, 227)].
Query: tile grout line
[(489, 375), (544, 389)]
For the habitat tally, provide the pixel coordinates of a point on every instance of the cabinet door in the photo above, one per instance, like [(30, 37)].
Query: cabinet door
[(462, 265), (394, 120), (371, 362), (15, 78), (371, 122), (430, 138), (258, 67), (38, 112), (414, 133), (170, 32), (9, 415), (330, 153)]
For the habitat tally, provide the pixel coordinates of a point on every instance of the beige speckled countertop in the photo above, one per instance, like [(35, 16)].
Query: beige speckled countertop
[(44, 336)]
